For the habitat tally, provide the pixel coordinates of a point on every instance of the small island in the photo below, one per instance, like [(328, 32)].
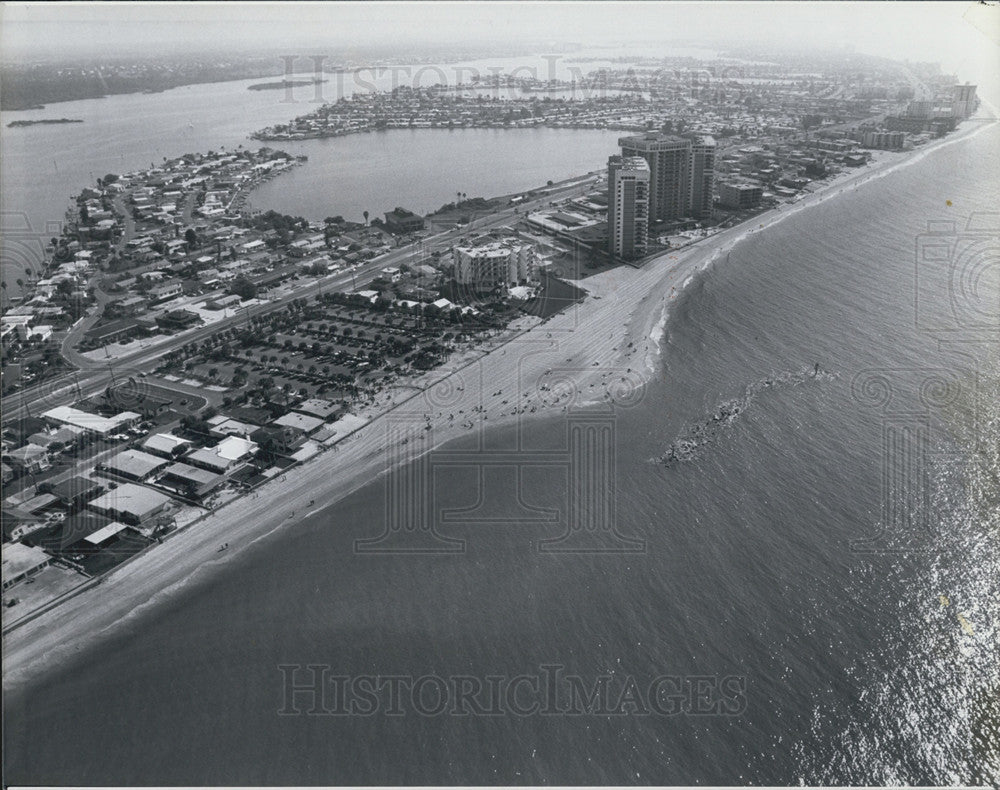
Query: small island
[(273, 86), (45, 120)]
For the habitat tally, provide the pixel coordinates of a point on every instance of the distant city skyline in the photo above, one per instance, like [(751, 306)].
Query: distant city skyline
[(951, 33)]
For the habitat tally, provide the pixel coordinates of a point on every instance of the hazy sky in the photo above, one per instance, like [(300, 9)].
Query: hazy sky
[(954, 33)]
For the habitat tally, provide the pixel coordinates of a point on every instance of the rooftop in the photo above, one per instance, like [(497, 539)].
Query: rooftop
[(164, 443), (105, 532), (19, 559), (303, 422), (190, 473), (130, 498), (91, 422), (134, 463)]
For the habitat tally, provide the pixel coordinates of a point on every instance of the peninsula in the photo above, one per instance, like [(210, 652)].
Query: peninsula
[(273, 86), (42, 121)]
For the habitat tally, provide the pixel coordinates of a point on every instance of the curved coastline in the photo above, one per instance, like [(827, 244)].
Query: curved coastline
[(634, 307)]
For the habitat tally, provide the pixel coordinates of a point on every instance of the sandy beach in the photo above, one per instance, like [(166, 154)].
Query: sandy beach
[(605, 348)]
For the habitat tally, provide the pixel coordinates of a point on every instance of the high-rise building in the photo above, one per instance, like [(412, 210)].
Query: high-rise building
[(702, 176), (681, 173), (628, 206), (669, 160), (502, 262)]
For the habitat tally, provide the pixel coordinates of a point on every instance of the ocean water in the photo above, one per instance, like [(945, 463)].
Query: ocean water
[(865, 656)]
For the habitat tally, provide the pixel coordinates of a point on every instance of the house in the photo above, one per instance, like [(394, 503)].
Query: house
[(74, 491), (223, 426), (400, 220), (130, 503), (53, 441), (306, 423), (38, 504), (133, 465), (91, 423), (251, 414), (318, 407), (63, 538), (136, 397), (226, 457), (190, 480), (29, 459), (278, 439), (123, 330), (40, 332), (18, 522), (166, 445), (129, 306), (20, 561), (166, 290)]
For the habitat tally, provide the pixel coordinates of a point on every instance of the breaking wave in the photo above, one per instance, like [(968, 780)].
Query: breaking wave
[(698, 437)]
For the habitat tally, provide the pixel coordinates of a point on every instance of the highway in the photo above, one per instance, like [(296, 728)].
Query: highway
[(92, 376)]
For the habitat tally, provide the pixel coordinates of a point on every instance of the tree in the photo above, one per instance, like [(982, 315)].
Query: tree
[(365, 215), (191, 238)]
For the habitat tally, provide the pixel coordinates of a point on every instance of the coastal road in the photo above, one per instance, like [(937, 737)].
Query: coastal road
[(94, 376)]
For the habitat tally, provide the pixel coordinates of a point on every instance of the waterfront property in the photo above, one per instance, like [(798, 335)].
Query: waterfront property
[(628, 206), (130, 503), (400, 220), (495, 262), (740, 196), (682, 173), (20, 562)]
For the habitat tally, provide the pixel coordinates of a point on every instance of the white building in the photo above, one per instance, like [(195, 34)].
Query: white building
[(628, 206), (502, 262), (94, 423)]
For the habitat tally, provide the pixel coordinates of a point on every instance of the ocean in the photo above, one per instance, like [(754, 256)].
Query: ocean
[(820, 561)]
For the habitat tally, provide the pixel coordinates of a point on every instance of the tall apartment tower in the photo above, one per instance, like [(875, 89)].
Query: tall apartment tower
[(628, 206), (702, 176), (681, 173)]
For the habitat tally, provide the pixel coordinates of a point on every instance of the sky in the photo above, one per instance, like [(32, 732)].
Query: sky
[(960, 35)]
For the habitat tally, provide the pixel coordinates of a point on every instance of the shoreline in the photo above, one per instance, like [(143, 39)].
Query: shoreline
[(627, 311)]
